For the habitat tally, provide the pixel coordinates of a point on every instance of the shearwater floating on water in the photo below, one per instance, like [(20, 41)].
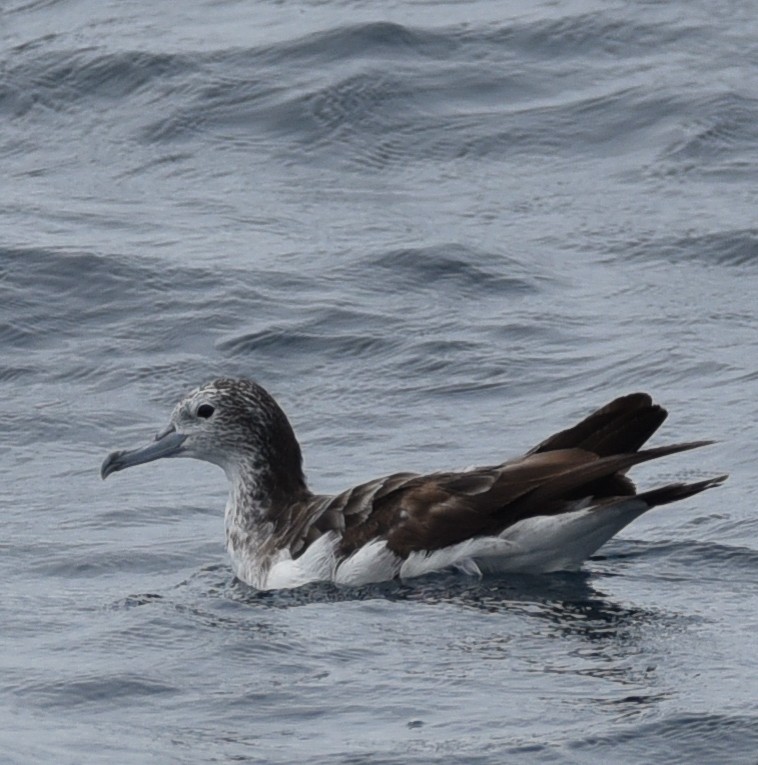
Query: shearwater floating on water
[(546, 511)]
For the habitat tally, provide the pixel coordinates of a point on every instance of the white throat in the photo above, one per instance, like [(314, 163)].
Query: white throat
[(249, 535)]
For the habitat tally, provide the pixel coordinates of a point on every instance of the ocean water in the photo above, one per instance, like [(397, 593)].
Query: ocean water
[(437, 232)]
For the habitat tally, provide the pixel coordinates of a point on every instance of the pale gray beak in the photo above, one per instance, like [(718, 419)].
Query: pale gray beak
[(168, 443)]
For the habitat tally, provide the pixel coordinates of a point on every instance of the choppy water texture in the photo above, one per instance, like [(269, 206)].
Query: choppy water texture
[(437, 232)]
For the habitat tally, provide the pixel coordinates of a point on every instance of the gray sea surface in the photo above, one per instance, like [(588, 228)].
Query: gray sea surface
[(436, 232)]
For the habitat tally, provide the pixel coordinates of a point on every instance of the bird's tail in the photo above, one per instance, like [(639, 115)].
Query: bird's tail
[(676, 491)]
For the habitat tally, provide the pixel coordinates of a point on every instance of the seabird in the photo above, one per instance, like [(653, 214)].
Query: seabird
[(546, 511)]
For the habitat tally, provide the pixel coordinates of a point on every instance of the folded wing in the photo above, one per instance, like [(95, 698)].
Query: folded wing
[(428, 512)]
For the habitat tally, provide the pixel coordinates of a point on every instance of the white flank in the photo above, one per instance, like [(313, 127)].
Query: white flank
[(464, 556), (316, 564), (562, 542), (371, 563)]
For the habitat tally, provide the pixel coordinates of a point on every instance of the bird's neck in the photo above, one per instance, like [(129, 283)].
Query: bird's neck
[(258, 518)]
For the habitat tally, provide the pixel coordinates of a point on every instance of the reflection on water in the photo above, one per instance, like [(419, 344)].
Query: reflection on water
[(567, 600)]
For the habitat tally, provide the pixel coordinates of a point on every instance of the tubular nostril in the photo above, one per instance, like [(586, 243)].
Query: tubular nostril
[(163, 433)]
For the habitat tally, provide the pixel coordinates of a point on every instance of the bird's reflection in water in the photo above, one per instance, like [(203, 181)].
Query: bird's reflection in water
[(559, 626), (568, 602)]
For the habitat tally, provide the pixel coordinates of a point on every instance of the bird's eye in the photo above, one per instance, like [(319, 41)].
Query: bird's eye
[(205, 411)]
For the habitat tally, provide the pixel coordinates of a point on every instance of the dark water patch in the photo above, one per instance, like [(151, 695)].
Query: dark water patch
[(100, 560), (728, 248), (634, 705), (374, 40), (64, 80), (376, 120), (135, 601), (612, 35), (184, 371), (568, 600), (679, 737), (236, 90), (278, 342), (86, 281), (448, 355), (564, 605), (712, 561), (393, 126), (218, 107), (97, 692), (228, 86), (236, 87), (371, 115), (454, 267), (14, 373), (579, 35), (323, 330), (669, 365), (356, 105), (15, 334), (114, 302), (722, 133)]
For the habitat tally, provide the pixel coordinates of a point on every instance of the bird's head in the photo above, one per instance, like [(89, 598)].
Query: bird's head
[(233, 423)]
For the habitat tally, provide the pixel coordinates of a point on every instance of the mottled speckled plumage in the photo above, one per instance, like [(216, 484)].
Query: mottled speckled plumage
[(545, 511)]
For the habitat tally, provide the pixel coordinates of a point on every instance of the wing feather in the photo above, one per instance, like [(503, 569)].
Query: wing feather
[(427, 512)]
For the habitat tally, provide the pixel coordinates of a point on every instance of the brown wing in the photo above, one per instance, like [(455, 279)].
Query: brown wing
[(434, 511), (620, 427), (429, 512), (305, 521)]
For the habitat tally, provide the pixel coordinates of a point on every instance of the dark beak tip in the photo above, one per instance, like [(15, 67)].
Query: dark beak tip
[(110, 465)]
